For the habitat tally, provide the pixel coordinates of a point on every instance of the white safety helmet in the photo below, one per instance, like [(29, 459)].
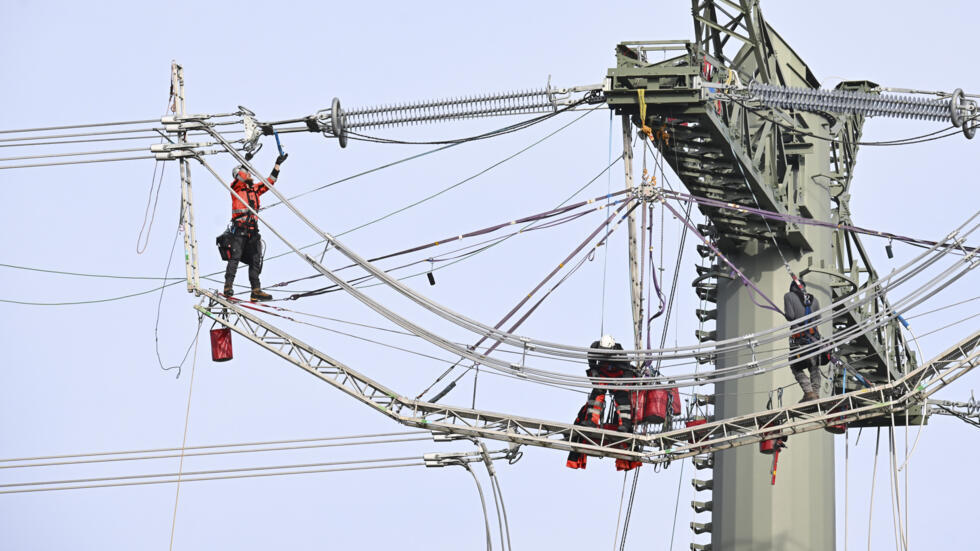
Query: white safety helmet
[(239, 169), (607, 341)]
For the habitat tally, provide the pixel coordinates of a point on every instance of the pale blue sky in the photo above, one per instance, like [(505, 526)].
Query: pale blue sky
[(86, 379)]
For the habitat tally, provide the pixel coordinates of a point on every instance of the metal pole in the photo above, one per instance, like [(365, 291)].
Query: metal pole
[(186, 195), (636, 291)]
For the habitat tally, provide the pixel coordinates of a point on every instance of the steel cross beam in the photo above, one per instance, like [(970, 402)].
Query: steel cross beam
[(718, 21), (655, 448)]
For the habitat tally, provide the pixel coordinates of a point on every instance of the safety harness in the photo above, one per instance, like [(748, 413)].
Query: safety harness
[(811, 334), (241, 216)]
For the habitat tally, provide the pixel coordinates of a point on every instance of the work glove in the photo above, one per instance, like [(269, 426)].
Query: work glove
[(282, 158)]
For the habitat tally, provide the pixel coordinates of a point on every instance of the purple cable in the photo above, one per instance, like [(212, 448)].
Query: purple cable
[(799, 219), (772, 306)]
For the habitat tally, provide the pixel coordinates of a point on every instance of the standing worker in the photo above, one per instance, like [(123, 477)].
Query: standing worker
[(243, 242), (612, 367), (798, 303)]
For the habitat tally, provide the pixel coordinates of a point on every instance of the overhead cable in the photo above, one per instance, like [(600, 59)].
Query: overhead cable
[(66, 127), (50, 486), (212, 446)]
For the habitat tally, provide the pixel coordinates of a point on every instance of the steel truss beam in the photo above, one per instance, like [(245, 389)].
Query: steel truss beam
[(910, 390)]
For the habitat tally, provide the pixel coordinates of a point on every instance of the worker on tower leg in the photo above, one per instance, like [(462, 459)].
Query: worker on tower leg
[(798, 303), (244, 241)]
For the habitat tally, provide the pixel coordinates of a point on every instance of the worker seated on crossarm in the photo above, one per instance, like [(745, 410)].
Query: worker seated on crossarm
[(245, 243), (608, 366), (798, 303)]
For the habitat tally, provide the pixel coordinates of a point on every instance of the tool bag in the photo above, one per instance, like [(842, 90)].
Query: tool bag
[(224, 243)]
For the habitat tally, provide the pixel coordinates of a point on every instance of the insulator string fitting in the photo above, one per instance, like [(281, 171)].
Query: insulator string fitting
[(954, 109), (337, 122)]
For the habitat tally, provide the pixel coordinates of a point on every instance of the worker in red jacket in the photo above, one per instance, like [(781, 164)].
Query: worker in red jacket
[(245, 243), (612, 367)]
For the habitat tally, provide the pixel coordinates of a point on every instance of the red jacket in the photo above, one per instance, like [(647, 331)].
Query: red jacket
[(247, 194)]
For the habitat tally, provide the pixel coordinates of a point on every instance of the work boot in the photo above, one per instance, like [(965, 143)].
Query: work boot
[(229, 290), (810, 396), (625, 426), (259, 296)]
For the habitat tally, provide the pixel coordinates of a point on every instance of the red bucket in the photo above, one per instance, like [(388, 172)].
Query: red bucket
[(693, 423), (221, 344), (836, 429), (839, 428), (772, 445)]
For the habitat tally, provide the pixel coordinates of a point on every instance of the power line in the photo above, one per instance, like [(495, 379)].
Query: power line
[(107, 276), (463, 181), (941, 308), (369, 171), (90, 125), (210, 446), (74, 154), (62, 163), (82, 135), (214, 452), (414, 463)]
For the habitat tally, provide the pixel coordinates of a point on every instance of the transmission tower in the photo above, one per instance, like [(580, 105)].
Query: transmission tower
[(746, 126)]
